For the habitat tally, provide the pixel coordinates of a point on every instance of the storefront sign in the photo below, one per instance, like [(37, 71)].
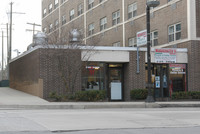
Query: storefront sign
[(142, 38), (177, 68), (165, 55)]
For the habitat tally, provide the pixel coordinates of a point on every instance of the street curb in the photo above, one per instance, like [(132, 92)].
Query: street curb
[(103, 105), (81, 106)]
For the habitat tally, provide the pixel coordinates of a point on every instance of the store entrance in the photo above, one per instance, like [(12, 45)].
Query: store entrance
[(116, 81), (161, 83)]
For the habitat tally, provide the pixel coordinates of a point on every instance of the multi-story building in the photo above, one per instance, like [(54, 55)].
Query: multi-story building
[(175, 26)]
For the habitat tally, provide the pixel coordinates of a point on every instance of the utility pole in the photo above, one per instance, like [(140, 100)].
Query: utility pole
[(33, 24), (2, 55), (10, 42), (10, 36), (2, 67)]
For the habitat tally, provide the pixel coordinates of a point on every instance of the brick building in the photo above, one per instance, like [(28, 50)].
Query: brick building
[(175, 26)]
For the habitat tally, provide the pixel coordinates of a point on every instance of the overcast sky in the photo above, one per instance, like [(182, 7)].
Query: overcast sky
[(21, 38)]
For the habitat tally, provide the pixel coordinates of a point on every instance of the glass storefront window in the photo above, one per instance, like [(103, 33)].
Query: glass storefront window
[(178, 77), (93, 76)]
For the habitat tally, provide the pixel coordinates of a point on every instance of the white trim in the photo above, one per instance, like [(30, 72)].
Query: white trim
[(85, 21), (191, 19), (123, 19)]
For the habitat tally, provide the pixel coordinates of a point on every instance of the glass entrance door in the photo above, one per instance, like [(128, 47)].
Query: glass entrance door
[(161, 80), (115, 81)]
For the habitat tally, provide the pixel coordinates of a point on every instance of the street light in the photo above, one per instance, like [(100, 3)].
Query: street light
[(149, 4)]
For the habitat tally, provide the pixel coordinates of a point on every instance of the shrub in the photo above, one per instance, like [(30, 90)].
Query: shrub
[(186, 95), (91, 95), (54, 95), (139, 94)]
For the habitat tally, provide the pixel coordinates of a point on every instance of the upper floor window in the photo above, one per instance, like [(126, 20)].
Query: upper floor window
[(132, 10), (169, 0), (116, 44), (56, 24), (50, 8), (116, 18), (44, 12), (56, 4), (50, 28), (132, 42), (80, 9), (101, 1), (91, 29), (71, 14), (90, 4), (63, 1), (174, 32), (154, 38), (63, 19), (103, 23), (45, 30)]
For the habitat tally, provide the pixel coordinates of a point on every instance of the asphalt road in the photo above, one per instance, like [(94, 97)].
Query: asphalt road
[(101, 121)]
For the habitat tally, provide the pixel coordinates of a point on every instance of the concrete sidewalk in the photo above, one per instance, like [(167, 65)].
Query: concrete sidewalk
[(13, 99)]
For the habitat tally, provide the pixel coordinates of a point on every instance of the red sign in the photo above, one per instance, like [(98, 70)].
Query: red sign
[(171, 51)]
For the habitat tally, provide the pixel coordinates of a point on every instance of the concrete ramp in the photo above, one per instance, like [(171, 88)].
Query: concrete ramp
[(10, 96)]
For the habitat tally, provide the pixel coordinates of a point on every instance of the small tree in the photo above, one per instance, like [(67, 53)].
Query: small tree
[(68, 57)]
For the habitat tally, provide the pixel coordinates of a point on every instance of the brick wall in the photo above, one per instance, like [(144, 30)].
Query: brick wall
[(132, 79), (24, 74), (53, 80), (193, 64)]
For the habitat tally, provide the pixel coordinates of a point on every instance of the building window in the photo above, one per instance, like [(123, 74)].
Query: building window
[(174, 32), (132, 42), (44, 12), (62, 1), (154, 38), (116, 18), (71, 14), (93, 76), (50, 8), (132, 10), (45, 30), (101, 1), (56, 24), (50, 28), (90, 4), (103, 23), (169, 0), (63, 19), (91, 29), (116, 44), (80, 9), (56, 4)]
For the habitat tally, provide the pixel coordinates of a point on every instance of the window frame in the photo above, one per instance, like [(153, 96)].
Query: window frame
[(56, 2), (116, 18), (80, 9), (64, 21), (173, 35), (90, 29), (71, 14), (56, 25), (50, 28), (132, 13), (44, 12), (133, 40), (153, 38), (103, 23), (90, 4), (116, 44), (50, 8)]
